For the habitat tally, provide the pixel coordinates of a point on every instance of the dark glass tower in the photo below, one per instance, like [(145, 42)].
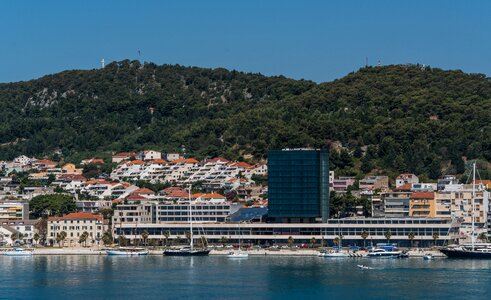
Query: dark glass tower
[(298, 185)]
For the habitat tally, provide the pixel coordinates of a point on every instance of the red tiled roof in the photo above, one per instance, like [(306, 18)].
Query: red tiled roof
[(78, 216), (177, 194), (171, 189), (137, 162), (185, 160), (213, 195), (158, 161), (423, 195), (94, 161), (243, 164), (133, 196), (143, 191), (216, 159), (71, 177), (99, 181), (405, 187)]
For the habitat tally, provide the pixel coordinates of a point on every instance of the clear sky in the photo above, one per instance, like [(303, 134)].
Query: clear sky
[(317, 40)]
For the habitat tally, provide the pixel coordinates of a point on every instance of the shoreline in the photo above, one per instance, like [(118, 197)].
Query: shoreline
[(221, 252)]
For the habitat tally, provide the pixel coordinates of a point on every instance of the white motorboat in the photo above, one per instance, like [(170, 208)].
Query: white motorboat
[(128, 251), (428, 257), (19, 252), (363, 267), (382, 253), (334, 254), (238, 254)]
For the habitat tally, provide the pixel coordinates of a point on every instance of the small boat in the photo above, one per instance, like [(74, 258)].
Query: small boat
[(363, 267), (128, 251), (238, 254), (19, 252), (187, 251), (382, 253), (334, 254), (428, 257)]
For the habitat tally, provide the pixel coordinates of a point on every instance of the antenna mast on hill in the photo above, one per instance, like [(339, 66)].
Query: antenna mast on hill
[(102, 63)]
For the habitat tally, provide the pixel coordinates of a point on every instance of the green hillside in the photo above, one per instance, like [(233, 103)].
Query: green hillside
[(394, 118)]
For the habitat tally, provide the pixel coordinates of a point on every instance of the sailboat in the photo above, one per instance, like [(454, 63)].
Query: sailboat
[(472, 250), (240, 253), (338, 253), (188, 251)]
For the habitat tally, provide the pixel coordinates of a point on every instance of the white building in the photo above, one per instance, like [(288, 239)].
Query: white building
[(74, 225)]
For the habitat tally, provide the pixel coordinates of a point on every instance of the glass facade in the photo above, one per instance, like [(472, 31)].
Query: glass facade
[(298, 185)]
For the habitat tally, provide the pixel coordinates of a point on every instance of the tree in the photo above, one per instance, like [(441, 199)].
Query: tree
[(411, 235), (60, 238), (107, 238), (166, 235), (42, 228), (83, 238), (388, 235), (336, 241), (51, 205), (223, 241), (290, 241), (364, 236), (145, 236), (312, 242), (483, 237), (435, 237), (122, 241), (36, 238)]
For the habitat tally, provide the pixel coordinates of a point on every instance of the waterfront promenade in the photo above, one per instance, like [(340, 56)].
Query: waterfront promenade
[(218, 252)]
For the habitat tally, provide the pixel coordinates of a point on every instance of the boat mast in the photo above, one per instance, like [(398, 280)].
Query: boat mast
[(190, 219), (473, 201)]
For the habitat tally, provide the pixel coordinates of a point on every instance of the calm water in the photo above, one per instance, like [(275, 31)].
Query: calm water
[(155, 277)]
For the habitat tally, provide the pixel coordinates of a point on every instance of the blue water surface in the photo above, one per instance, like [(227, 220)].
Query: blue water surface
[(263, 277)]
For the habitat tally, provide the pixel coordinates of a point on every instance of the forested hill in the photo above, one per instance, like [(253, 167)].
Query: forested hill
[(394, 118)]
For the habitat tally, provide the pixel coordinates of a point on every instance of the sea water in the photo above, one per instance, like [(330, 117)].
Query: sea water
[(263, 277)]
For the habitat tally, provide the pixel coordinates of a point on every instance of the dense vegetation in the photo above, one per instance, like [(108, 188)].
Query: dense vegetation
[(396, 118)]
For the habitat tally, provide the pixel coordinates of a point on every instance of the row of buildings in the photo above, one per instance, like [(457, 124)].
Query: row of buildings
[(297, 203)]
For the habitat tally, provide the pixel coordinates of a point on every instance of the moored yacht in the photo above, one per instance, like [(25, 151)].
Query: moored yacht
[(472, 250), (18, 252), (333, 254), (383, 253), (128, 251), (188, 251)]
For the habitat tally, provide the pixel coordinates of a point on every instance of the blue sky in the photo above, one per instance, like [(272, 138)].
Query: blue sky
[(317, 40)]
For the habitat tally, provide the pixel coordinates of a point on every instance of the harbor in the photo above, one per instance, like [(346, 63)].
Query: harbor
[(258, 277)]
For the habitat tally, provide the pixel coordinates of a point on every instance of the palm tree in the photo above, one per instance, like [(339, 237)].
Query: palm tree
[(336, 241), (14, 237), (36, 237), (188, 236), (388, 235), (83, 238), (61, 238), (107, 238), (145, 235), (312, 242), (121, 240), (223, 240), (290, 241), (166, 235), (411, 235), (435, 237), (364, 236), (483, 237)]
